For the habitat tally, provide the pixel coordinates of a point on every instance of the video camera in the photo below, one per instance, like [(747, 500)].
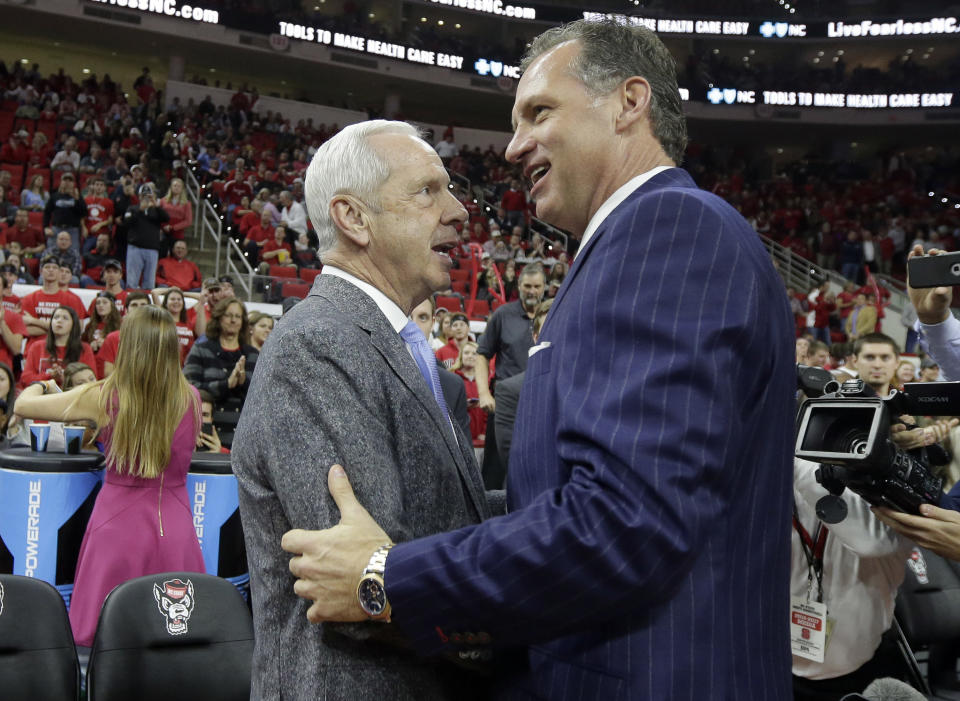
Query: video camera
[(846, 428)]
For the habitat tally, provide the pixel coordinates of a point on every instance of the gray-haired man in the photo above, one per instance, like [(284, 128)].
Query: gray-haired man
[(340, 381)]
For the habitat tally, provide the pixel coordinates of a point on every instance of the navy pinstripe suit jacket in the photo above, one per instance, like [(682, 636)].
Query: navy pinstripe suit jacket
[(646, 551)]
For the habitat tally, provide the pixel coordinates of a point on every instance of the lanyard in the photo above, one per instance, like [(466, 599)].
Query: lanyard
[(813, 551)]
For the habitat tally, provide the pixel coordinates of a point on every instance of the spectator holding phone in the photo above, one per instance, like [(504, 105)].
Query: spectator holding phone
[(208, 440)]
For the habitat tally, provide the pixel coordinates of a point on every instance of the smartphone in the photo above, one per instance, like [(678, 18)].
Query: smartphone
[(207, 429), (934, 271), (473, 401)]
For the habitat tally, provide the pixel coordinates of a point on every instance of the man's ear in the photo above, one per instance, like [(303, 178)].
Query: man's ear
[(350, 216), (635, 95)]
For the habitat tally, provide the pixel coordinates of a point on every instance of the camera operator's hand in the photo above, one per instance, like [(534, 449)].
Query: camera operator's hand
[(937, 529), (921, 436), (932, 303)]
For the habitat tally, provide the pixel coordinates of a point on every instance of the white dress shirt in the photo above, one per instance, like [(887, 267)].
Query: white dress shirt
[(863, 566), (614, 201)]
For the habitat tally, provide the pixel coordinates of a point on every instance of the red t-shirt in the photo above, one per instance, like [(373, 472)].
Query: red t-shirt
[(108, 351), (449, 354), (274, 246), (478, 416), (41, 305), (11, 302), (28, 238), (258, 233), (186, 336), (38, 363), (178, 273), (99, 209), (234, 191), (15, 323)]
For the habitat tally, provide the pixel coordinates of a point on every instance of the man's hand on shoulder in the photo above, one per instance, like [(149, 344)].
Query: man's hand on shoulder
[(328, 564)]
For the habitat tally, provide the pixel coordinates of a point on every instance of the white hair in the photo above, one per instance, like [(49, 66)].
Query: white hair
[(346, 164)]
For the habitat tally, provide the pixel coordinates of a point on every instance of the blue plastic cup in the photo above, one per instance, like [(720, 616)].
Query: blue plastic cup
[(73, 439), (39, 433)]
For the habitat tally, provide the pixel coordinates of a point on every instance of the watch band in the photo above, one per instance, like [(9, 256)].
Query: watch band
[(378, 561)]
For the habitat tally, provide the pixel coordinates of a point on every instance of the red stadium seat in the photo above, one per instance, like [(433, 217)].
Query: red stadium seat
[(308, 275), (9, 106), (460, 275), (6, 125), (450, 303), (283, 271), (36, 219), (33, 265), (480, 310), (295, 289), (48, 128), (460, 287), (57, 175)]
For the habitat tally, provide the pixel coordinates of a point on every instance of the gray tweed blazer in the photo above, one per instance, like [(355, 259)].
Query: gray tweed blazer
[(335, 384)]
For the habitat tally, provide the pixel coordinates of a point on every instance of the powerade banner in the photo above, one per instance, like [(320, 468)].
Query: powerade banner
[(42, 520), (216, 519)]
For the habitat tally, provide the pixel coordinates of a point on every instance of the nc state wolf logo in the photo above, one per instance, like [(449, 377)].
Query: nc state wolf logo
[(175, 601), (918, 566)]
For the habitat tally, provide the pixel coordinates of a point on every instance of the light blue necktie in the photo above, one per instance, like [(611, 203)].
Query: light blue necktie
[(426, 361)]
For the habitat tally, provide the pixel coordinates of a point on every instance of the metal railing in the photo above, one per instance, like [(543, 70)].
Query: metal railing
[(209, 225), (194, 191), (239, 267)]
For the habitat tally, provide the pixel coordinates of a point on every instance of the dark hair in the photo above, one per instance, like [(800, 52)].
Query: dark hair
[(11, 392), (213, 326), (73, 369), (134, 296), (610, 53), (111, 322), (874, 338), (74, 348), (166, 296)]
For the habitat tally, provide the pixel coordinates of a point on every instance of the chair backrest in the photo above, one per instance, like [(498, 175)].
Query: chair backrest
[(295, 289), (460, 274), (480, 309), (449, 303), (309, 274), (38, 660), (928, 603), (172, 635), (283, 271)]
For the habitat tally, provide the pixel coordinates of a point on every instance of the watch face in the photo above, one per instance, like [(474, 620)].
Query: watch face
[(373, 599)]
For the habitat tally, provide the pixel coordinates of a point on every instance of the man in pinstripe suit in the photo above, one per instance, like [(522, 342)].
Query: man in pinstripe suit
[(645, 552)]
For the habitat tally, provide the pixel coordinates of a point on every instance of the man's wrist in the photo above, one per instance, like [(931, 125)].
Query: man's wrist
[(371, 589)]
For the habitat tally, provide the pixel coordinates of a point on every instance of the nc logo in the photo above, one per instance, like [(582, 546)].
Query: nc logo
[(729, 95), (715, 96), (496, 68), (781, 28), (767, 29), (482, 66)]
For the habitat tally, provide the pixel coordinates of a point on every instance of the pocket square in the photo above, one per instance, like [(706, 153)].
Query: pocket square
[(537, 348)]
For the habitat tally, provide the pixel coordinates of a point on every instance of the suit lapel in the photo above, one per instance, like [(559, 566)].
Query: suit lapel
[(394, 351), (674, 177)]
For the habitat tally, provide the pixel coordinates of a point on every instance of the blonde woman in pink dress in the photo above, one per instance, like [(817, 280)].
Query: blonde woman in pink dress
[(148, 417)]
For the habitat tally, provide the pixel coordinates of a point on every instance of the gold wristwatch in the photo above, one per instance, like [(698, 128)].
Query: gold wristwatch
[(371, 592)]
